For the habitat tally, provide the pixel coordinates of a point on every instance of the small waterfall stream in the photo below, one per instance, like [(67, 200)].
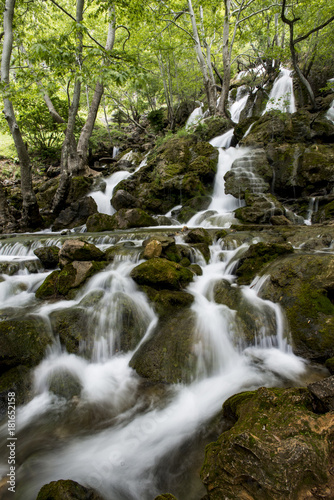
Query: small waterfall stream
[(281, 96)]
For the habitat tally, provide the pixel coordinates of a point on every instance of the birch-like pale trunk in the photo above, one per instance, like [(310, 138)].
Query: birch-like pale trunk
[(223, 102), (30, 212)]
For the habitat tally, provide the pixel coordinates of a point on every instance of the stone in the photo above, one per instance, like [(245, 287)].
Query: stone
[(74, 329), (198, 235), (23, 341), (322, 393), (259, 209), (80, 251), (280, 220), (76, 214), (160, 274), (66, 490), (123, 199), (276, 447), (48, 256), (18, 380), (152, 249), (100, 222), (167, 355), (64, 384)]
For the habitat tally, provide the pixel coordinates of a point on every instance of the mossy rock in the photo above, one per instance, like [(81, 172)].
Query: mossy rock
[(330, 365), (166, 302), (167, 356), (198, 235), (65, 283), (160, 273), (325, 213), (165, 496), (18, 380), (64, 384), (303, 286), (80, 251), (100, 222), (80, 186), (256, 257), (48, 256), (23, 341), (74, 329), (259, 208), (66, 490), (169, 250), (277, 448)]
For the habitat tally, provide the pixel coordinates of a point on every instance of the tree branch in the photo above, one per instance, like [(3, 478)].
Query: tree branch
[(318, 28)]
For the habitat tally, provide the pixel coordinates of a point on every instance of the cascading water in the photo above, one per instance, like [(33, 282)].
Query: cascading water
[(195, 116), (220, 210), (281, 97), (114, 436), (239, 104)]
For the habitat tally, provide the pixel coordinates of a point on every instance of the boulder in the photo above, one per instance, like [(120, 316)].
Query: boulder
[(123, 199), (18, 380), (23, 341), (123, 219), (256, 257), (259, 209), (74, 329), (169, 250), (160, 274), (76, 214), (276, 448), (66, 490), (48, 256), (100, 222), (167, 355), (165, 496), (66, 282), (80, 251), (64, 384), (322, 393), (303, 285), (198, 235)]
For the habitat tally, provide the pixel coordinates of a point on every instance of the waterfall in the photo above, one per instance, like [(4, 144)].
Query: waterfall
[(195, 116), (281, 97), (239, 104), (222, 206), (330, 112), (114, 429)]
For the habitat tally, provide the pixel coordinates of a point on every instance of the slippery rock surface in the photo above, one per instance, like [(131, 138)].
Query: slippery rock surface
[(161, 273), (123, 219), (276, 448), (67, 490), (79, 250), (48, 256)]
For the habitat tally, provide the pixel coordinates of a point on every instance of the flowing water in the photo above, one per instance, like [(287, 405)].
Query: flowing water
[(128, 439), (281, 97)]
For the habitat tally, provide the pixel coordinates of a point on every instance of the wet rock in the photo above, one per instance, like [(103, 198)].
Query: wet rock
[(18, 380), (167, 301), (123, 199), (23, 341), (74, 329), (66, 282), (161, 273), (76, 214), (169, 250), (322, 393), (152, 249), (80, 251), (167, 355), (303, 286), (165, 496), (259, 209), (64, 384), (48, 256), (280, 220), (198, 235), (100, 222), (276, 448), (66, 490), (256, 257), (250, 173), (330, 365)]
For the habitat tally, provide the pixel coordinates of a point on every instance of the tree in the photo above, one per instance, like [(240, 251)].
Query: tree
[(30, 213), (293, 42)]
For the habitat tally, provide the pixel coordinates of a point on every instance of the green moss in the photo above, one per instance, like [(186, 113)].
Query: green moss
[(49, 286), (160, 273)]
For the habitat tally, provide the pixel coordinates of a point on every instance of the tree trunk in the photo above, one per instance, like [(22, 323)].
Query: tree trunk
[(208, 84), (223, 102), (30, 213)]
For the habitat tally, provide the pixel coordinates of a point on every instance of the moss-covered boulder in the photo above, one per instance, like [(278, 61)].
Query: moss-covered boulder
[(256, 257), (48, 256), (18, 380), (165, 496), (161, 246), (167, 356), (64, 384), (65, 283), (123, 199), (123, 219), (100, 222), (76, 214), (74, 329), (303, 285), (176, 171), (161, 273), (276, 448), (66, 490), (259, 208), (80, 251), (198, 235), (166, 302), (23, 341)]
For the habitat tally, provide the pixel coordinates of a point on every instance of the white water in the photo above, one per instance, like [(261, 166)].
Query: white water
[(281, 96), (195, 116), (330, 113), (222, 204), (114, 437), (239, 104)]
